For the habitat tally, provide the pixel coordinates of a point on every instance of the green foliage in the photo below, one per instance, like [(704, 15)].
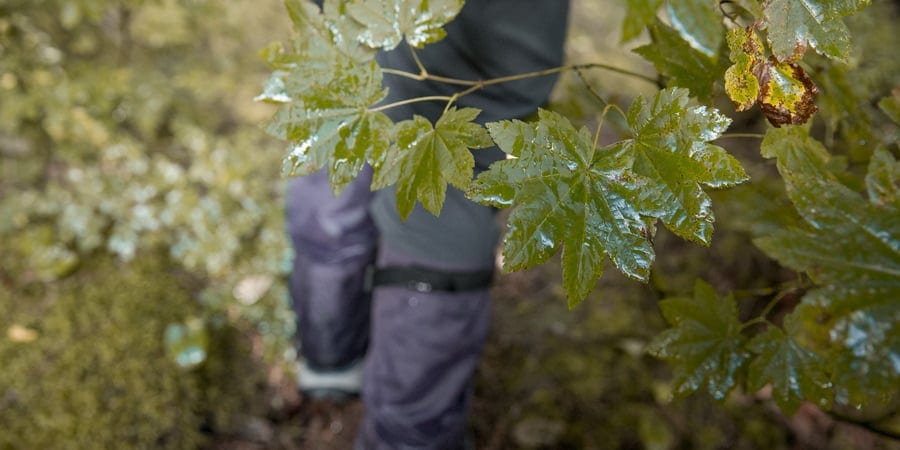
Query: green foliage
[(794, 26), (706, 345), (641, 13), (671, 148), (428, 158), (568, 192), (594, 202), (850, 248), (326, 82), (604, 201), (699, 23), (387, 23), (126, 129), (844, 329), (795, 373), (684, 65)]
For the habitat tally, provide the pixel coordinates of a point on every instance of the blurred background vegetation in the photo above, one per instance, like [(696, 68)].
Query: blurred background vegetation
[(142, 302)]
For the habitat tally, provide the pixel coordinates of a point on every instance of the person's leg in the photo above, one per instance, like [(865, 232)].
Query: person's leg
[(426, 341), (334, 240)]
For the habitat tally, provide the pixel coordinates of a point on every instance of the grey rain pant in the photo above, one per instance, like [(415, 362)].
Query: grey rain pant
[(421, 349)]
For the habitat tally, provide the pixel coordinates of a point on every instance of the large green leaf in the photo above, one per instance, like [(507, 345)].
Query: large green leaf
[(331, 25), (705, 344), (699, 22), (795, 373), (850, 247), (388, 22), (428, 158), (795, 25), (325, 83), (569, 193), (684, 65), (641, 13), (670, 148)]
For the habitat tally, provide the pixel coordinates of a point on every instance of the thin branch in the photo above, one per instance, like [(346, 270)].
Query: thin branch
[(615, 69), (792, 285), (589, 87), (404, 74), (432, 98), (871, 426), (475, 85), (522, 76), (741, 135)]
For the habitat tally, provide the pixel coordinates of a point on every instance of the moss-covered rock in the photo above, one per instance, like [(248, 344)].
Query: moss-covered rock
[(85, 364)]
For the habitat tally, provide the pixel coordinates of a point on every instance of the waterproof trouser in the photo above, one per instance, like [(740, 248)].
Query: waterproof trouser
[(421, 348)]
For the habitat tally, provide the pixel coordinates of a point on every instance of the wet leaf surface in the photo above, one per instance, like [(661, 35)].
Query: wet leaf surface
[(850, 247), (699, 22), (705, 344), (640, 14), (426, 159), (325, 81), (793, 26), (685, 66), (795, 373), (595, 202), (671, 149), (420, 22), (568, 194)]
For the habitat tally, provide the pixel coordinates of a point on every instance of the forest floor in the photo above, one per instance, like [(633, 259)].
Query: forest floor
[(554, 398)]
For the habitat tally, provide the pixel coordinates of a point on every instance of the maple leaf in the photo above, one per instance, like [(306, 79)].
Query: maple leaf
[(325, 84), (640, 14), (795, 373), (670, 148), (388, 22), (684, 65), (567, 193), (705, 344), (850, 248), (793, 26), (699, 22), (428, 158)]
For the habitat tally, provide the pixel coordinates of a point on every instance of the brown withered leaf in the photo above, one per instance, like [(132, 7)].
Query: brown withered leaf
[(783, 90), (786, 93)]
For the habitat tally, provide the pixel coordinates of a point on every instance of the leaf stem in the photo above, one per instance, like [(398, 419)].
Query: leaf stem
[(741, 135), (432, 98), (603, 114), (762, 318), (755, 321), (422, 71), (600, 126), (589, 87)]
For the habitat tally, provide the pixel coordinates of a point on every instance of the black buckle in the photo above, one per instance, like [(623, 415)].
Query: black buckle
[(425, 280)]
